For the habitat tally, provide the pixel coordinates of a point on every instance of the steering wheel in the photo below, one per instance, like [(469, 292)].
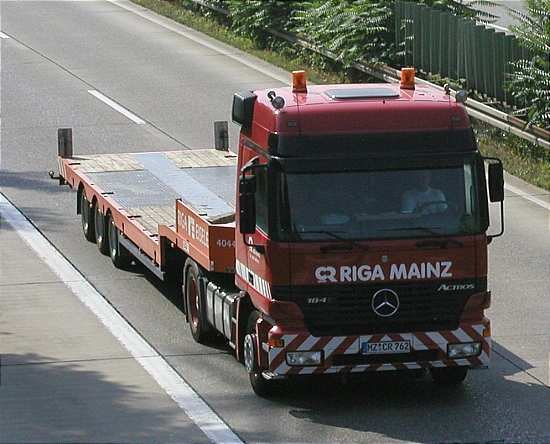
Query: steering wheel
[(420, 208)]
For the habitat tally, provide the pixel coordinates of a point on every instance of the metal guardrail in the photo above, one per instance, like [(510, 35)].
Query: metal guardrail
[(476, 109)]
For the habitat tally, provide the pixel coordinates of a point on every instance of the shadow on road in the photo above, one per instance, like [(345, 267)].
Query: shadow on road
[(84, 401)]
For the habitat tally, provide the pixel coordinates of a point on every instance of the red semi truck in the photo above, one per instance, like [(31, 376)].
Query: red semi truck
[(347, 234)]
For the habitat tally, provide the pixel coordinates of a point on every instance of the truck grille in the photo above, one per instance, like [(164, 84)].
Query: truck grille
[(347, 309)]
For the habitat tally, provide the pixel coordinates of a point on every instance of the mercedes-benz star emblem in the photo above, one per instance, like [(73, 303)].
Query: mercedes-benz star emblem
[(385, 302)]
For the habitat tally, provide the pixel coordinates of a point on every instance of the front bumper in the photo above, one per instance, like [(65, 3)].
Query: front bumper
[(342, 354)]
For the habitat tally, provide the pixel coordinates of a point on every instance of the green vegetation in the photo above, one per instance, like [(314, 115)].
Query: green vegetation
[(520, 158), (205, 21), (530, 82)]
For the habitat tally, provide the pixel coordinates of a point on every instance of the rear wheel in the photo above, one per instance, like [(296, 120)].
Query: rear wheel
[(263, 387), (100, 229), (195, 299), (119, 255), (87, 217), (449, 376)]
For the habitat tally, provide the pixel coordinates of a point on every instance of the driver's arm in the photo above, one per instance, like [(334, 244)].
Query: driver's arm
[(408, 202)]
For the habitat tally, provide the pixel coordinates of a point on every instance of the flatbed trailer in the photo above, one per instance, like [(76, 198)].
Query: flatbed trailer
[(159, 200)]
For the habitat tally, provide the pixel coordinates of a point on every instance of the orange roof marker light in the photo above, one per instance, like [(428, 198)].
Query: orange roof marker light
[(407, 78), (299, 83)]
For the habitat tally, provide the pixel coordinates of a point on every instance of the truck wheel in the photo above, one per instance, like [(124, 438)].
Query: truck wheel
[(195, 304), (86, 216), (119, 255), (263, 387), (100, 229), (449, 376)]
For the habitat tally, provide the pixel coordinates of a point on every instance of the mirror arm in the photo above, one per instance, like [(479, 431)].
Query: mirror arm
[(492, 236)]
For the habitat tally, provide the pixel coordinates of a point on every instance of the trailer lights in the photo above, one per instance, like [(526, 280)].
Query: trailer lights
[(463, 350), (407, 78), (299, 82), (304, 358)]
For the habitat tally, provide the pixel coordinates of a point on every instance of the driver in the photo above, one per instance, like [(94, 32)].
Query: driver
[(423, 199)]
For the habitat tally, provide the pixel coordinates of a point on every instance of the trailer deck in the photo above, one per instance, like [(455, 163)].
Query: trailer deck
[(147, 191)]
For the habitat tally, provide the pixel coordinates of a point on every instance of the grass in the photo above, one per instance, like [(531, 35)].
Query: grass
[(519, 157)]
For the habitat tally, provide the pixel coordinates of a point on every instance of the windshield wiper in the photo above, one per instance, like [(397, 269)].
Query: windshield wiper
[(425, 229), (442, 243), (350, 243)]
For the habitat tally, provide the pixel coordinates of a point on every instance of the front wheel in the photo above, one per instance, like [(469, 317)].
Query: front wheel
[(263, 387), (449, 376)]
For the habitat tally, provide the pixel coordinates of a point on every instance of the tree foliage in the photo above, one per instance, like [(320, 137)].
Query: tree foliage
[(530, 81)]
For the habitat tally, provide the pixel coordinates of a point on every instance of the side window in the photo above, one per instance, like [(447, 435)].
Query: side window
[(261, 199)]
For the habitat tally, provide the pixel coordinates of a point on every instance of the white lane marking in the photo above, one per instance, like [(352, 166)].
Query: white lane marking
[(116, 107), (172, 383), (527, 196), (191, 36), (4, 36)]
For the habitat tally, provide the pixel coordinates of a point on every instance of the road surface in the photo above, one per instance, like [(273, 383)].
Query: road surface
[(176, 82)]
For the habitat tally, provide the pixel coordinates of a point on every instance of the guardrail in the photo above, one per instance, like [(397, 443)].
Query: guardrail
[(476, 109)]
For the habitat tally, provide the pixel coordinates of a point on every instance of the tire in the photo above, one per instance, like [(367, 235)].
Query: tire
[(119, 255), (449, 376), (87, 217), (100, 229), (264, 388), (194, 301)]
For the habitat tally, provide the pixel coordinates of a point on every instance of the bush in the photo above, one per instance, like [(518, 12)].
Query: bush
[(530, 81)]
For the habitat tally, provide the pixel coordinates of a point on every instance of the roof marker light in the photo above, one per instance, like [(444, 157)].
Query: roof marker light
[(299, 83), (407, 78)]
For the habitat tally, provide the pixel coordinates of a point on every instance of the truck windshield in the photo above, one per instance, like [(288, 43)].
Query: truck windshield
[(422, 202)]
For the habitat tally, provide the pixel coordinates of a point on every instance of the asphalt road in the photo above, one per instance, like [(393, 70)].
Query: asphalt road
[(178, 86)]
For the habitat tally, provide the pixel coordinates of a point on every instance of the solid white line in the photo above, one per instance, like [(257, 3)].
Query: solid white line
[(191, 36), (186, 398), (530, 198), (4, 36), (116, 106)]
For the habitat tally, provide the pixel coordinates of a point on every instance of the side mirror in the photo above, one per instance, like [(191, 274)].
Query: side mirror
[(496, 182), (247, 204)]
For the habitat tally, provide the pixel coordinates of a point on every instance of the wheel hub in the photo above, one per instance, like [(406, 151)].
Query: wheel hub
[(249, 355)]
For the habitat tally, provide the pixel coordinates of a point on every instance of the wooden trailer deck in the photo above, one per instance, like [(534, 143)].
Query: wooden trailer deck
[(141, 191)]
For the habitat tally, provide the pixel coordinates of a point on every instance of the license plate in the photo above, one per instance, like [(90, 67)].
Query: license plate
[(383, 348)]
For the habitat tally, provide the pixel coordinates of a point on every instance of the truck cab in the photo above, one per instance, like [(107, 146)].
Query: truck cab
[(361, 230)]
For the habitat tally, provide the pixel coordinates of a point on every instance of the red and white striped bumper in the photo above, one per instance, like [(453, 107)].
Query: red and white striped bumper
[(343, 353)]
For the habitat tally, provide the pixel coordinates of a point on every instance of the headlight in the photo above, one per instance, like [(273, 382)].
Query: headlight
[(463, 350), (304, 358)]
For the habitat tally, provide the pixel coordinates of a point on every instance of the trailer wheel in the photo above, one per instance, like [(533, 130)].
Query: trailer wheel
[(263, 387), (119, 255), (87, 217), (195, 299), (449, 376), (100, 229)]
